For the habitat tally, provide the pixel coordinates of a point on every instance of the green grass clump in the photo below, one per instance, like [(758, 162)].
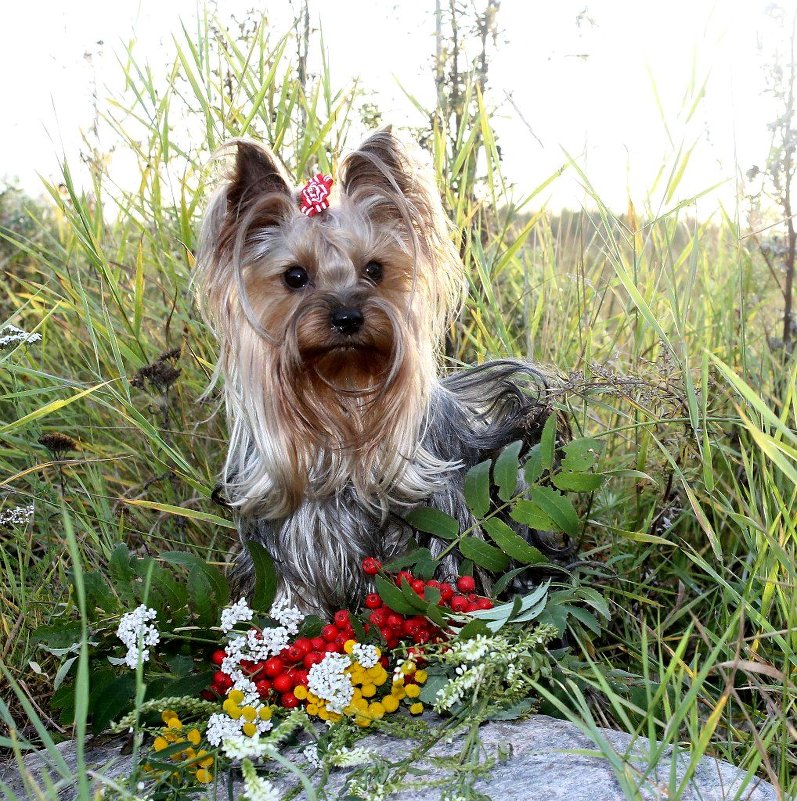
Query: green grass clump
[(656, 320)]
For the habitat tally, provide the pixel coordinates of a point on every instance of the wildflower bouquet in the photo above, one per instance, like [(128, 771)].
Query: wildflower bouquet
[(208, 687)]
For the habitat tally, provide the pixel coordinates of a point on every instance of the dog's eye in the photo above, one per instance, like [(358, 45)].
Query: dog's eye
[(373, 271), (296, 277)]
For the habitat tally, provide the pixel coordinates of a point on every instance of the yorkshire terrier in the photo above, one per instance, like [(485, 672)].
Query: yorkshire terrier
[(331, 313)]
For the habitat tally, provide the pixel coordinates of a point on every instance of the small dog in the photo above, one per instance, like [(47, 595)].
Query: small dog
[(331, 320)]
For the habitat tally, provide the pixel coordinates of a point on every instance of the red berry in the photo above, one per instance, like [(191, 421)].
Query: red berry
[(313, 658), (418, 585), (379, 616), (317, 643), (446, 591), (208, 695), (304, 645), (459, 603), (289, 700), (341, 618), (299, 676), (283, 683), (404, 574), (274, 666), (330, 647), (329, 632), (371, 566), (373, 601), (218, 657), (341, 640), (263, 687), (383, 661), (484, 603), (466, 584), (471, 607), (247, 666), (394, 620), (222, 680)]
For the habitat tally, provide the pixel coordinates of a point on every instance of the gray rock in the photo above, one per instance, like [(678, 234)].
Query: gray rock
[(546, 761)]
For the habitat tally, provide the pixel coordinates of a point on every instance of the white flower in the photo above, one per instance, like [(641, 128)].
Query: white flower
[(287, 616), (221, 727), (242, 747), (10, 335), (327, 679), (311, 755), (366, 655), (257, 789), (350, 757), (234, 614), (16, 516), (136, 633)]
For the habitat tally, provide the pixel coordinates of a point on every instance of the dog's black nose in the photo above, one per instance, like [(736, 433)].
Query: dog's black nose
[(347, 320)]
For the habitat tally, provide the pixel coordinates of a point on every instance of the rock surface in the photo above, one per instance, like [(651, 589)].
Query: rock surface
[(546, 763)]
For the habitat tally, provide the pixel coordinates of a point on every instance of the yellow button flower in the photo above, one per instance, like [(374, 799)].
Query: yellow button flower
[(416, 709), (194, 737), (376, 710), (248, 713), (300, 691), (160, 743), (369, 690), (421, 676), (204, 776), (167, 715), (412, 690), (249, 729), (348, 646), (265, 711), (236, 696), (390, 703)]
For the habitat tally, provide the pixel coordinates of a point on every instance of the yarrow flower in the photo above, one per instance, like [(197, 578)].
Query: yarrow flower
[(328, 680), (138, 634), (366, 655), (287, 616), (16, 516), (238, 747), (311, 755), (234, 614), (10, 335), (350, 757), (256, 788)]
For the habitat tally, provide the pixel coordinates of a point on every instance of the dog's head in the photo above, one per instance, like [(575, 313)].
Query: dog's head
[(329, 325)]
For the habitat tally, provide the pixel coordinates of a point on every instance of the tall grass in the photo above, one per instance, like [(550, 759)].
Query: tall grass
[(655, 319)]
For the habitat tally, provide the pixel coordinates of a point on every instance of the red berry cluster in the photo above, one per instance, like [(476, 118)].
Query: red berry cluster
[(417, 628), (277, 677)]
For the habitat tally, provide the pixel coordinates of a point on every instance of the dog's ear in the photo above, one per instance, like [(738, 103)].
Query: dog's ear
[(257, 171), (381, 166)]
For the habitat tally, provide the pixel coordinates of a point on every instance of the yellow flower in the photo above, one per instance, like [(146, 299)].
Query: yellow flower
[(232, 709), (311, 709), (412, 690), (160, 743), (362, 722), (376, 710), (248, 713), (207, 761), (174, 723), (249, 729), (416, 709), (204, 776), (265, 711), (194, 737), (348, 646), (167, 715), (300, 691), (236, 696), (390, 703), (369, 690), (408, 667), (421, 676)]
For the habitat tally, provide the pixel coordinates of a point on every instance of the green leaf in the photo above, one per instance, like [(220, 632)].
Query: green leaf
[(477, 489), (393, 596), (266, 579), (312, 625), (511, 543), (412, 597), (167, 687), (513, 712), (581, 454), (112, 700), (533, 468), (531, 515), (200, 593), (472, 629), (506, 579), (554, 615), (577, 482), (505, 471), (548, 442), (215, 577), (484, 555), (434, 683), (58, 635), (557, 508), (433, 521)]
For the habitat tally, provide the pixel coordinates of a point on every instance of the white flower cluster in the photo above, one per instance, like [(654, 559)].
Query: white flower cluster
[(10, 335), (327, 679), (138, 634), (16, 516), (311, 755), (234, 614), (222, 728), (237, 747), (366, 655), (350, 757), (256, 788), (289, 617), (499, 662)]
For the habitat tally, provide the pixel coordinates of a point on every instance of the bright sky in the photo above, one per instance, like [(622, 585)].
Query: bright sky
[(587, 90)]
